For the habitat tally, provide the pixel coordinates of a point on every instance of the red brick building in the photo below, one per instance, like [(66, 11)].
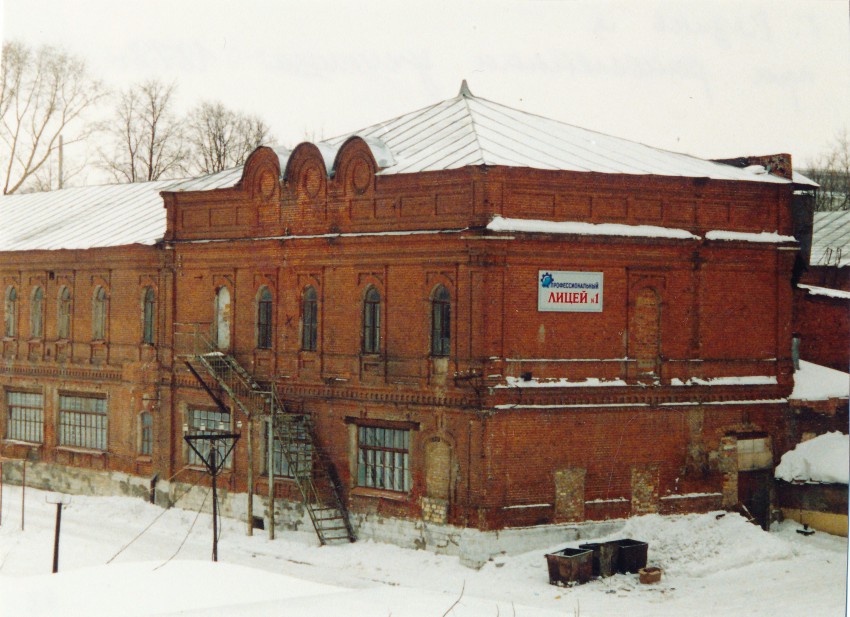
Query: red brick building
[(492, 320)]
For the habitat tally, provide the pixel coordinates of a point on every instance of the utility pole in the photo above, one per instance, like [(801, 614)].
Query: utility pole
[(214, 458), (59, 501)]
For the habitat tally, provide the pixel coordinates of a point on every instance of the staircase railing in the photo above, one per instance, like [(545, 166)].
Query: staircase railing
[(306, 463)]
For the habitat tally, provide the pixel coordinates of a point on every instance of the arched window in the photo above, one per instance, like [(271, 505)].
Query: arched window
[(441, 310), (372, 321), (37, 313), (148, 316), (10, 312), (264, 318), (222, 318), (63, 314), (309, 320), (98, 317)]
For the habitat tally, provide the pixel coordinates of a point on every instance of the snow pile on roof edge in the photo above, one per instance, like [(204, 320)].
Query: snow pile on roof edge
[(823, 459), (813, 382)]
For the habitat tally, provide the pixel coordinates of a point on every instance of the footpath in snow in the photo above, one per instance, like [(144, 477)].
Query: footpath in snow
[(714, 564)]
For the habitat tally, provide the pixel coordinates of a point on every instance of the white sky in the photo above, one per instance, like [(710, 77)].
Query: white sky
[(713, 79)]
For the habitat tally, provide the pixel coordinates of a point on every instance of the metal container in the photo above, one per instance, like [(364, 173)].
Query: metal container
[(631, 555), (570, 566), (605, 556)]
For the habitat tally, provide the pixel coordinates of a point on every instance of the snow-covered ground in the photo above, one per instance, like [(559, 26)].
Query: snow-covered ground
[(714, 564)]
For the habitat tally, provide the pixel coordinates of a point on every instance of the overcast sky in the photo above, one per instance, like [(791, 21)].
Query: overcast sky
[(713, 79)]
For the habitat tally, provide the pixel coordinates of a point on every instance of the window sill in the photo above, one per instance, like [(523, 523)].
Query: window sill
[(79, 450), (21, 442), (378, 493)]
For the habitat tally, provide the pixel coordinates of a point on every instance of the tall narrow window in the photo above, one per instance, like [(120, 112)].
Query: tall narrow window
[(309, 320), (645, 335), (372, 322), (148, 316), (264, 319), (222, 318), (98, 322), (37, 313), (63, 314), (441, 306), (146, 434), (10, 314)]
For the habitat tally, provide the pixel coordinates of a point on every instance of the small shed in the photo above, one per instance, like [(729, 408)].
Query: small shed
[(812, 480)]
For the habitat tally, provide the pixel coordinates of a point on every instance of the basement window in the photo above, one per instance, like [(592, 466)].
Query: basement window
[(383, 458)]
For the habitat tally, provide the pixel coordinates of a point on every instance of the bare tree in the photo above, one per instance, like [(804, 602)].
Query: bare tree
[(148, 141), (221, 138), (44, 93), (831, 170)]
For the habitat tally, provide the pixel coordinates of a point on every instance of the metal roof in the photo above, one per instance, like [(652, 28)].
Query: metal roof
[(458, 132), (83, 217), (468, 130), (831, 239)]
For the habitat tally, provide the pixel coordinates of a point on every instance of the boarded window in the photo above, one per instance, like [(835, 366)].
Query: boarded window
[(37, 313), (63, 313), (10, 313), (99, 309), (646, 331), (754, 453), (25, 420)]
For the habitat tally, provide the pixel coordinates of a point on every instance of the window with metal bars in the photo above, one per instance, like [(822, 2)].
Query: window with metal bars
[(383, 458), (309, 320), (372, 322), (264, 319), (145, 434), (300, 451), (441, 306), (82, 421), (209, 422), (25, 418), (148, 316)]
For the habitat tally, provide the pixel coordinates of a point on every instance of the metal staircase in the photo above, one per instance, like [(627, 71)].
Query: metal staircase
[(304, 461)]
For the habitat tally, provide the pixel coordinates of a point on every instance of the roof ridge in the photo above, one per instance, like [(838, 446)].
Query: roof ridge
[(465, 94)]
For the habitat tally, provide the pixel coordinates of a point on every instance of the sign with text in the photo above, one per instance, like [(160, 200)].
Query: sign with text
[(579, 292)]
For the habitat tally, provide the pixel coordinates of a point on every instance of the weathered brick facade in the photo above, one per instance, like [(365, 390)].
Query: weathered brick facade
[(509, 428)]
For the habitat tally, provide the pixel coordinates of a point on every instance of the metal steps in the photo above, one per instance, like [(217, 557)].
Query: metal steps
[(306, 462)]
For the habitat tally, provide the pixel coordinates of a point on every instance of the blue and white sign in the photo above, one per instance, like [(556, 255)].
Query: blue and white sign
[(569, 292)]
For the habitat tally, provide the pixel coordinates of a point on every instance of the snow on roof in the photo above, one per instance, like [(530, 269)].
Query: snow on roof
[(813, 382), (831, 239), (499, 223), (468, 130), (804, 181), (766, 237), (84, 217), (823, 459), (825, 291)]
